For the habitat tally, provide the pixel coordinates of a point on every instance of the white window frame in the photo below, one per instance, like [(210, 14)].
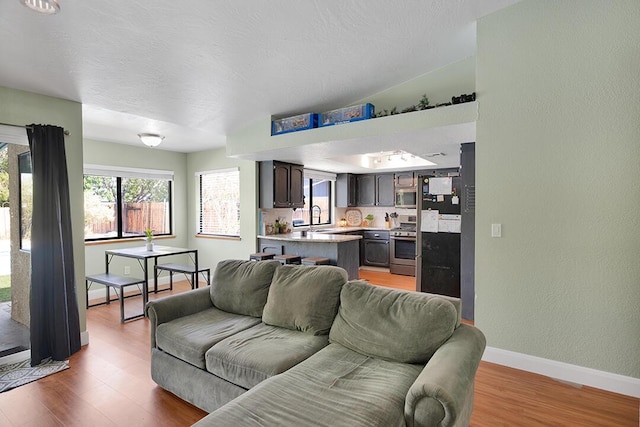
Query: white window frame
[(198, 192)]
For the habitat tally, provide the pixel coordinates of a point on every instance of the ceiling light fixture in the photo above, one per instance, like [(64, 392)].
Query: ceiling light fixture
[(47, 7), (150, 139)]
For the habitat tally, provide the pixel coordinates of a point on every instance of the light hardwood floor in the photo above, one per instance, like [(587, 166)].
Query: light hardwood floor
[(109, 384)]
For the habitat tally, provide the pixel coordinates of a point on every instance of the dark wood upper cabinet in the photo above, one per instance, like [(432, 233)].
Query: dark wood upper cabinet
[(366, 185), (375, 190), (281, 185), (296, 186), (384, 190), (346, 190)]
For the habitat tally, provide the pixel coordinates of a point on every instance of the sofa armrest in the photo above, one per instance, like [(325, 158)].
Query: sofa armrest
[(173, 307), (442, 395)]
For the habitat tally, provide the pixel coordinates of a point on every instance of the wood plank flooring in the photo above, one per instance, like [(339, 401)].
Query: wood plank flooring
[(109, 384)]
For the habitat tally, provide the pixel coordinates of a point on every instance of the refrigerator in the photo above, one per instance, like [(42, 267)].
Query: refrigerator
[(438, 234)]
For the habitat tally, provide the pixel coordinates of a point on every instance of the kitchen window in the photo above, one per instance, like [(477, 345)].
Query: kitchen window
[(121, 203), (219, 203), (317, 200)]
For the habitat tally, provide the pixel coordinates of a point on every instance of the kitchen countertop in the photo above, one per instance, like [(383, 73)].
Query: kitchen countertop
[(322, 235), (314, 237)]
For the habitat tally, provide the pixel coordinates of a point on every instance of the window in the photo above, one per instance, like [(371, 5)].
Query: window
[(219, 202), (317, 200), (26, 199), (121, 204)]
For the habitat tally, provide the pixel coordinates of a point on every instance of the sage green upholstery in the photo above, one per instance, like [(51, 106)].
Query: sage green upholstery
[(188, 338), (304, 298), (251, 356), (241, 287), (394, 325), (334, 387), (391, 358)]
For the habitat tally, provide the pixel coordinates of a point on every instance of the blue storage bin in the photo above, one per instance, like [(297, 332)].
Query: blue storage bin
[(346, 115), (294, 123)]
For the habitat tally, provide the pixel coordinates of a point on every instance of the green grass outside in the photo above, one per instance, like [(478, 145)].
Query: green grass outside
[(5, 288)]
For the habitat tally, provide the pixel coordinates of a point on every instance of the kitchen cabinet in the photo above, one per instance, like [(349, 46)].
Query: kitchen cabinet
[(346, 190), (384, 190), (375, 190), (281, 185), (375, 248), (405, 179)]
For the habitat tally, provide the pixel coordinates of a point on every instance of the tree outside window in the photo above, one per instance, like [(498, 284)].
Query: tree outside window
[(123, 207)]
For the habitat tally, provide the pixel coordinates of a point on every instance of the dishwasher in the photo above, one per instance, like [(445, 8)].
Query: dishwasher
[(375, 248)]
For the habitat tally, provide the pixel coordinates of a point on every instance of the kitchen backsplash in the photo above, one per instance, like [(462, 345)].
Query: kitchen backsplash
[(269, 216), (377, 212)]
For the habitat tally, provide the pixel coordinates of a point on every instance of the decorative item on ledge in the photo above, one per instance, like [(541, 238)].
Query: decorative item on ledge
[(294, 123), (347, 115), (149, 238)]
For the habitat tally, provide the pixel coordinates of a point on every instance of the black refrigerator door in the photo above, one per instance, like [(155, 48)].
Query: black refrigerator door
[(441, 264)]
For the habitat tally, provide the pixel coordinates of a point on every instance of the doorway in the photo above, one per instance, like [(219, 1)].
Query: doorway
[(14, 265)]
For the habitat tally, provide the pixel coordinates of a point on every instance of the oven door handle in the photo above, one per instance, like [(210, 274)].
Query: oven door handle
[(408, 239)]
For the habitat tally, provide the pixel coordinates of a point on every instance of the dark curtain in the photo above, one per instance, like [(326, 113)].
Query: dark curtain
[(55, 324)]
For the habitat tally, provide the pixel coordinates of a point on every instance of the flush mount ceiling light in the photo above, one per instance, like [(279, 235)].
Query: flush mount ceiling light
[(47, 7), (150, 139)]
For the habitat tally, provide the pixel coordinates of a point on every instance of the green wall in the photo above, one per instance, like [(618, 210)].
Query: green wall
[(21, 108), (130, 156), (558, 156), (213, 250)]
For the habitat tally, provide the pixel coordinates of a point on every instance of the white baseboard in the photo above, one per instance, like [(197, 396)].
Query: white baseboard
[(84, 338), (621, 384)]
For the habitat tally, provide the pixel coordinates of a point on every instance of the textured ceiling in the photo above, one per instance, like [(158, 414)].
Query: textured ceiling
[(198, 70)]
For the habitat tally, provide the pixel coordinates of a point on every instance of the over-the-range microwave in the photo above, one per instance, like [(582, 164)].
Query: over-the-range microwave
[(405, 197)]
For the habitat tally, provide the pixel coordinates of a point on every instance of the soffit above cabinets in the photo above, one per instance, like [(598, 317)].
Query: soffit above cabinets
[(334, 149)]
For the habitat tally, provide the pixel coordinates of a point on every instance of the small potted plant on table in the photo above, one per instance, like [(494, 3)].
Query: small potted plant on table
[(148, 233)]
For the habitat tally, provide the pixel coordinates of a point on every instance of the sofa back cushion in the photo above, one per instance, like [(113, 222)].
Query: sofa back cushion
[(242, 286), (391, 324), (304, 298)]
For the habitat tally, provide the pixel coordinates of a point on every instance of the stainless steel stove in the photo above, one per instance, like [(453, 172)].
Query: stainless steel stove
[(403, 246)]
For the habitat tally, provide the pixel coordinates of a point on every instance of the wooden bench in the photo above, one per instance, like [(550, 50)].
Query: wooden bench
[(118, 283), (288, 259), (261, 256), (187, 270)]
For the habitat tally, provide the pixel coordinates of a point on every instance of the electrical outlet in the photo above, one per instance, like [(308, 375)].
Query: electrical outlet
[(127, 270)]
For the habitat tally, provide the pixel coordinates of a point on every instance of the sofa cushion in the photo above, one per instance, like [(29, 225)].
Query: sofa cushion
[(253, 355), (334, 387), (304, 298), (392, 324), (188, 338), (242, 286)]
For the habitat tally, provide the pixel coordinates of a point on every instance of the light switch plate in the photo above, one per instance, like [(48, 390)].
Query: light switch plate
[(496, 230)]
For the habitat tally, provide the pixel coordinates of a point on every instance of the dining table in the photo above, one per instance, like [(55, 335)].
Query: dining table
[(142, 255)]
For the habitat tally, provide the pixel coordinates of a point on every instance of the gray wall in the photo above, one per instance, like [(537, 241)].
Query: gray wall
[(557, 157)]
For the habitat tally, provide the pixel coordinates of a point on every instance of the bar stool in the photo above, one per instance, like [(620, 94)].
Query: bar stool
[(288, 259), (315, 261), (261, 256)]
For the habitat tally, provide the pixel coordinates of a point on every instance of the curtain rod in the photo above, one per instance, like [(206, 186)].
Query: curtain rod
[(66, 132)]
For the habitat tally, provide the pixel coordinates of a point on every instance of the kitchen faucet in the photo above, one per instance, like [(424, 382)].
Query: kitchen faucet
[(319, 215)]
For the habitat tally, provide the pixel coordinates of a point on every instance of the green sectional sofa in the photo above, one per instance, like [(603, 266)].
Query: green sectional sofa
[(273, 345)]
